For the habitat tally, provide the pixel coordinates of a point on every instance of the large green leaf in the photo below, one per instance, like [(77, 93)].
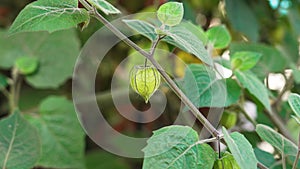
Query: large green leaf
[(196, 30), (204, 89), (142, 27), (272, 61), (176, 147), (241, 149), (61, 134), (242, 18), (244, 60), (170, 13), (105, 160), (277, 140), (49, 15), (104, 6), (294, 101), (19, 143), (56, 54), (254, 86), (219, 36), (184, 39)]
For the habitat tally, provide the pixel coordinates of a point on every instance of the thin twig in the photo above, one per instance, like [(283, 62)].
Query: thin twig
[(298, 154), (254, 123), (166, 77), (279, 124)]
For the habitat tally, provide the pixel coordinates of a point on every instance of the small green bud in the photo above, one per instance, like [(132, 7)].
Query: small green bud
[(144, 80)]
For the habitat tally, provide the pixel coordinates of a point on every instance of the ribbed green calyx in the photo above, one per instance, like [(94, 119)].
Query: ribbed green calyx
[(144, 80)]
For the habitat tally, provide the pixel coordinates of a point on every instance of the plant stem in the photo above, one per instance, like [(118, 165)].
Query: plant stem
[(149, 56), (298, 154), (14, 89), (278, 122)]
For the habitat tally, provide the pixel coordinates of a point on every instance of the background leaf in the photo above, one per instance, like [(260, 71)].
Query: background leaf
[(219, 36), (241, 149), (176, 147), (19, 143), (254, 86), (56, 54), (104, 6), (242, 18), (244, 60), (272, 61), (277, 140), (170, 13), (61, 134), (49, 15), (101, 159)]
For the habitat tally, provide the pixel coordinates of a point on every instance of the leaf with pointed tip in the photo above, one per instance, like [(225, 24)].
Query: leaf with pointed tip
[(19, 143), (104, 6), (219, 36), (184, 39), (49, 15), (241, 149), (244, 60), (254, 86), (277, 140)]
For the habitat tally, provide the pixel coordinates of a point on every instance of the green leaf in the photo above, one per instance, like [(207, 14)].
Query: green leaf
[(219, 36), (294, 18), (196, 30), (277, 140), (272, 61), (204, 89), (142, 27), (49, 15), (61, 134), (241, 149), (297, 119), (170, 13), (294, 101), (244, 60), (242, 18), (254, 86), (264, 157), (104, 6), (56, 54), (26, 65), (226, 162), (19, 143), (176, 147), (184, 39), (101, 159), (3, 82)]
